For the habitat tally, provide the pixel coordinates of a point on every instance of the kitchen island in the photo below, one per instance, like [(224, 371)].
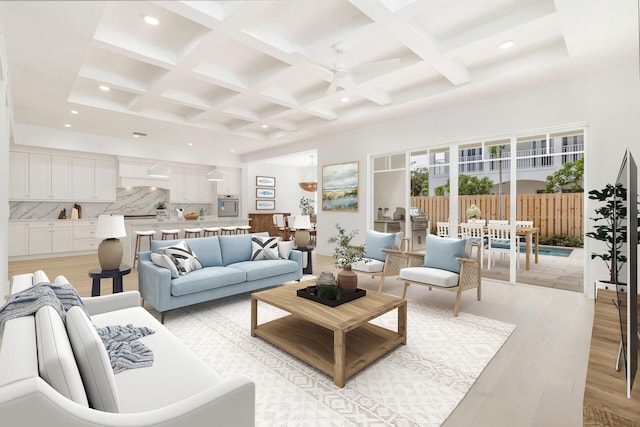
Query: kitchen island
[(133, 225)]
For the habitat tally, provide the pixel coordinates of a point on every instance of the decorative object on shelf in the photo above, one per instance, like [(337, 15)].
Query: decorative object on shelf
[(265, 181), (340, 187), (265, 193), (110, 228), (302, 236), (473, 212), (159, 171), (77, 211), (62, 214), (179, 213), (345, 255), (161, 210), (310, 185), (265, 205), (215, 175), (306, 205)]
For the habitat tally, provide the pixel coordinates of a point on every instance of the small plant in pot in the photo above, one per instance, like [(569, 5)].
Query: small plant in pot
[(345, 255)]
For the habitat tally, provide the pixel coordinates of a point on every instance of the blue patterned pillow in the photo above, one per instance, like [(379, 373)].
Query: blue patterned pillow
[(441, 252)]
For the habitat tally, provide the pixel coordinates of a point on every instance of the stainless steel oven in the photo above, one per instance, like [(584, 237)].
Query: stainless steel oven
[(228, 205)]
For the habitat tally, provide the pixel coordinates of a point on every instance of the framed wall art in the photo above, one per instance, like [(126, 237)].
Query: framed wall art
[(265, 193), (340, 187), (265, 205), (265, 181)]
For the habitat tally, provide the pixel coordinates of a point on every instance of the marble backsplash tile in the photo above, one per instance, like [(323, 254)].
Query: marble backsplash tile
[(129, 201)]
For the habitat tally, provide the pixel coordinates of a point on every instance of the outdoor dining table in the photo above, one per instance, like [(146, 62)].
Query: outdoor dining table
[(530, 234)]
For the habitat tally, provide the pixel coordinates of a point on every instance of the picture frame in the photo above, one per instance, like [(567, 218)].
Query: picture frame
[(265, 193), (340, 186), (265, 205), (265, 181)]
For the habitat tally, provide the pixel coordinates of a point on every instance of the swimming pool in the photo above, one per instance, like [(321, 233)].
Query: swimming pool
[(550, 250)]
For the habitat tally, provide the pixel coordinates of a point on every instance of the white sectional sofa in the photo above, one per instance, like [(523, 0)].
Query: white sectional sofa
[(177, 390)]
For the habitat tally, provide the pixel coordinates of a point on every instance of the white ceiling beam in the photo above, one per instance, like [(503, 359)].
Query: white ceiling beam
[(241, 113), (113, 80), (186, 99), (134, 49)]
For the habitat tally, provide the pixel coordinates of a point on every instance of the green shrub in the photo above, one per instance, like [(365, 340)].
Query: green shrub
[(563, 240)]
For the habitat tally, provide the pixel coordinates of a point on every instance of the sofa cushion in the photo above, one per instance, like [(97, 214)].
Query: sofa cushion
[(207, 250), (39, 277), (205, 279), (285, 247), (165, 261), (185, 259), (256, 270), (56, 363), (373, 266), (441, 252), (264, 248), (93, 361), (431, 276), (237, 248), (375, 241)]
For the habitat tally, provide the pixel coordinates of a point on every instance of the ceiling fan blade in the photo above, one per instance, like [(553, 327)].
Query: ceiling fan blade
[(378, 67), (332, 87)]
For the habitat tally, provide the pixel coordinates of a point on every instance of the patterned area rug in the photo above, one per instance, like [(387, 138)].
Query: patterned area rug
[(419, 384)]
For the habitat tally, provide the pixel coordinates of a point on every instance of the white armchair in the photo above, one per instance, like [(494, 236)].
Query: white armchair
[(446, 264), (383, 255)]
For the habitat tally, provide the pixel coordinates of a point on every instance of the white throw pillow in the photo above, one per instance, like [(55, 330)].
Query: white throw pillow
[(93, 360), (56, 363), (165, 261), (39, 277), (264, 247), (183, 257), (285, 247)]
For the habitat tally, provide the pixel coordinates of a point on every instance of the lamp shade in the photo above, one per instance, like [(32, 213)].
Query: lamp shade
[(159, 171), (110, 227), (215, 175), (302, 222)]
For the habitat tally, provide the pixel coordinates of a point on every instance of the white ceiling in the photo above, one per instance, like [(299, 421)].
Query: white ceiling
[(213, 73)]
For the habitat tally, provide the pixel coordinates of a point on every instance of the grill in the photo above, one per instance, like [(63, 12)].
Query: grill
[(419, 226)]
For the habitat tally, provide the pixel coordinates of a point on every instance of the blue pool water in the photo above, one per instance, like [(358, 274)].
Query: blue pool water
[(550, 250)]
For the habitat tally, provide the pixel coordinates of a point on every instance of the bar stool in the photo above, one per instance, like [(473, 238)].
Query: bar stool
[(211, 231), (174, 233), (229, 230), (139, 236), (192, 232), (243, 229)]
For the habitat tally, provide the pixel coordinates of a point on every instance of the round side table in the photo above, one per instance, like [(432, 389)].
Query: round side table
[(97, 273)]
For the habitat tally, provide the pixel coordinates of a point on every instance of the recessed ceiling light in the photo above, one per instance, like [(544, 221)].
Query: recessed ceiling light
[(506, 44), (264, 126), (74, 112), (67, 125), (190, 144), (232, 150), (138, 134), (151, 20), (344, 99), (104, 88)]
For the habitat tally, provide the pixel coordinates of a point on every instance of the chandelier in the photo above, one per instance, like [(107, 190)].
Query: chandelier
[(310, 185)]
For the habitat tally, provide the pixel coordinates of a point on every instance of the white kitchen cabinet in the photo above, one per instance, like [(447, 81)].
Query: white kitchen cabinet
[(94, 180), (84, 236), (232, 183), (18, 238), (50, 237), (49, 177), (18, 175), (190, 185)]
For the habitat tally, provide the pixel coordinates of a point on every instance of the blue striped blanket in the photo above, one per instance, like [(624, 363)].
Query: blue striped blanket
[(125, 351), (27, 302)]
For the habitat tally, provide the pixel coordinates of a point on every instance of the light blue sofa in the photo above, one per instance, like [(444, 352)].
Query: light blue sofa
[(227, 271)]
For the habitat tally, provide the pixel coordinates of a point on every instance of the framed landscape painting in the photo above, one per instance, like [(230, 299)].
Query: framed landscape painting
[(340, 187)]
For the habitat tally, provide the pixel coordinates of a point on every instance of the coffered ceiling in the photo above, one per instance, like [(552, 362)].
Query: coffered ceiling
[(248, 75)]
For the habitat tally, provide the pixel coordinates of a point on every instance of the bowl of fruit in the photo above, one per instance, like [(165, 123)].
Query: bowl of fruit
[(191, 215)]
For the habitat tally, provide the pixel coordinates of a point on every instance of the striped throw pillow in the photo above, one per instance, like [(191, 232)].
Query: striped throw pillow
[(264, 248)]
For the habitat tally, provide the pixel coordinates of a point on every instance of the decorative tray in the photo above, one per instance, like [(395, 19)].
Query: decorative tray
[(310, 292)]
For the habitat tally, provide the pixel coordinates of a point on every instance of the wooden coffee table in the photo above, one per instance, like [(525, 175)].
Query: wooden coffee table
[(339, 341)]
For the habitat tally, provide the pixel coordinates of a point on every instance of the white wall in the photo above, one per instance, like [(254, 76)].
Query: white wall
[(5, 123), (609, 101)]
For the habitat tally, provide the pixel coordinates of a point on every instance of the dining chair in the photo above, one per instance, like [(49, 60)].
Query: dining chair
[(442, 229), (498, 222), (278, 220), (477, 233), (499, 239), (477, 221)]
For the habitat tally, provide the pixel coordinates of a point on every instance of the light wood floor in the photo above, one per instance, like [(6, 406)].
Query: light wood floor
[(536, 379)]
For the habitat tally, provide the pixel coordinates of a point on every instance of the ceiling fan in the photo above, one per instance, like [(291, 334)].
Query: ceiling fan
[(343, 74)]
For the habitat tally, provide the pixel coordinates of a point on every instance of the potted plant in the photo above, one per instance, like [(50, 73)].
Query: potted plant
[(610, 216), (306, 206), (161, 210), (345, 255), (473, 212)]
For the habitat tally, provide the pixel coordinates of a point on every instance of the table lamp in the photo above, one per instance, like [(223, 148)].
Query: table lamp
[(110, 228), (302, 236)]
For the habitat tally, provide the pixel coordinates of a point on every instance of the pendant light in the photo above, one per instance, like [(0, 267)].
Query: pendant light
[(311, 185)]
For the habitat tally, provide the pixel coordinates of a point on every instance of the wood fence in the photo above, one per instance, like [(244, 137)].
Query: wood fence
[(554, 213)]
